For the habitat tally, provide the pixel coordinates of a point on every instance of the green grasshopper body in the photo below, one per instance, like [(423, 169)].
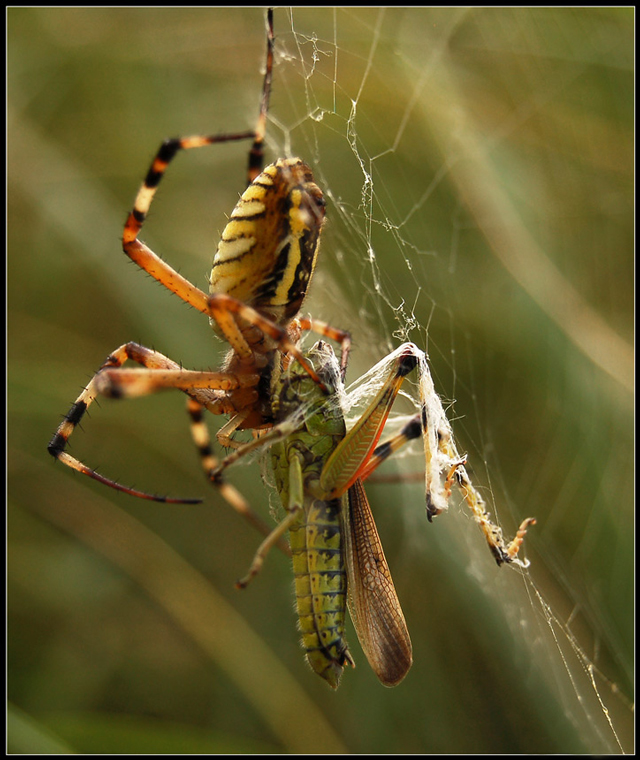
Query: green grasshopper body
[(316, 539), (334, 542)]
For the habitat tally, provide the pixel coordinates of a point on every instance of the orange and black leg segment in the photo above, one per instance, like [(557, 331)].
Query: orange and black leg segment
[(210, 464), (342, 337), (158, 372), (409, 432), (143, 256)]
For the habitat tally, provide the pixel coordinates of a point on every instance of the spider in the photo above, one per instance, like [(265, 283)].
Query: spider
[(260, 276)]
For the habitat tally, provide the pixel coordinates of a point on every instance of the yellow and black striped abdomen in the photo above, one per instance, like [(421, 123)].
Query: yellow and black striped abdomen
[(268, 250), (321, 587)]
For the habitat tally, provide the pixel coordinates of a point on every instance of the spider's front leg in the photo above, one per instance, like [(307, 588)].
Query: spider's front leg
[(343, 337), (143, 256)]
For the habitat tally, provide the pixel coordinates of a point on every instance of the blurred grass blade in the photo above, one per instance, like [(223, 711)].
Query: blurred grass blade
[(194, 604)]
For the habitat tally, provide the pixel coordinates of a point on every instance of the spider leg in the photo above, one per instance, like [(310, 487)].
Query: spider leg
[(156, 367), (168, 150), (150, 262), (223, 436), (141, 254), (132, 383), (256, 154), (342, 337), (210, 464)]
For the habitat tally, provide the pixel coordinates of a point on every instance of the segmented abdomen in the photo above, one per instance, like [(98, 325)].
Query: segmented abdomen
[(321, 587)]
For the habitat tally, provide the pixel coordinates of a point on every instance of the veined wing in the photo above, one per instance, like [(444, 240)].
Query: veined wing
[(373, 602)]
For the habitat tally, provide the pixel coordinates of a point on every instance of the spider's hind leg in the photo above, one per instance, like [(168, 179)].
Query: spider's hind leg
[(211, 466)]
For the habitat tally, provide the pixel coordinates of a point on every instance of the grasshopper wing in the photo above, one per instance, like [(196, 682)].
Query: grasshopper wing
[(373, 602)]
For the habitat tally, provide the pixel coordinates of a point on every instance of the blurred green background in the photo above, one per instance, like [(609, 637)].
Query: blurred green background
[(478, 166)]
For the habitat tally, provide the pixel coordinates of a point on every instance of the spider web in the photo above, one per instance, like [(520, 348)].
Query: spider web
[(467, 162)]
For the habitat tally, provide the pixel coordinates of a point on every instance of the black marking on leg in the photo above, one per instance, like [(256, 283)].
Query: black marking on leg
[(383, 451), (169, 148), (413, 429), (76, 413), (56, 445), (139, 216)]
